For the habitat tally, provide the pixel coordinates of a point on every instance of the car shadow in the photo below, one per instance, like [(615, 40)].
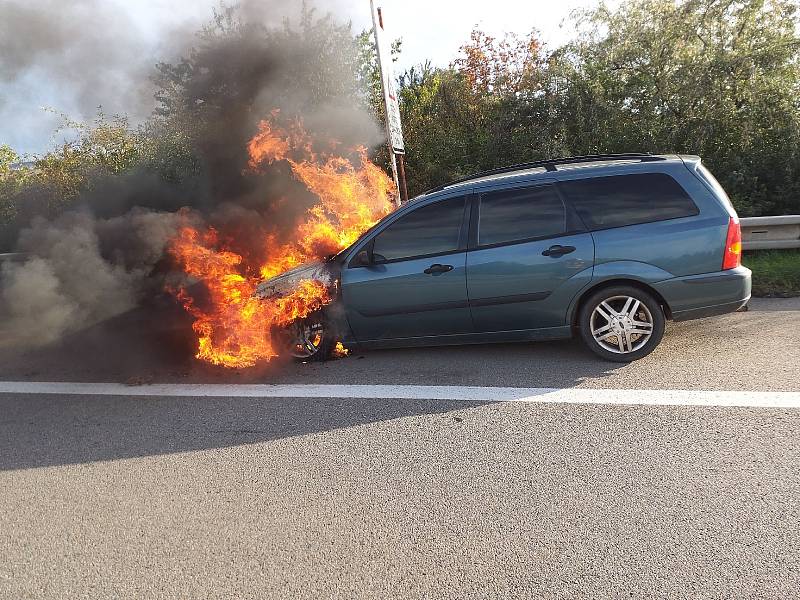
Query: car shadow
[(44, 431), (155, 344)]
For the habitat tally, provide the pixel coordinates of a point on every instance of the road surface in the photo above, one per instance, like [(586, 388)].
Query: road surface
[(649, 486)]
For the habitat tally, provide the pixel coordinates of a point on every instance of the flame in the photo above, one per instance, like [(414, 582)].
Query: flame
[(233, 326)]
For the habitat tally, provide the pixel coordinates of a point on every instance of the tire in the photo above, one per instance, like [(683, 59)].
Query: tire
[(616, 328), (308, 340)]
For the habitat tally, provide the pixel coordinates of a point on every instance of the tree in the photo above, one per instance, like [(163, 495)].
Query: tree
[(10, 182), (509, 66), (718, 78), (474, 115)]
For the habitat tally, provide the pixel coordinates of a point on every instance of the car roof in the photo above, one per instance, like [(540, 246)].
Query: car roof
[(594, 163)]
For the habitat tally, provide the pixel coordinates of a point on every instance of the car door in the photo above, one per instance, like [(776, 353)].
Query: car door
[(529, 255), (416, 285)]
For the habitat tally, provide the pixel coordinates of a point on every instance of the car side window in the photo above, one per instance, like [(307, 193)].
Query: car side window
[(520, 214), (620, 200), (431, 229)]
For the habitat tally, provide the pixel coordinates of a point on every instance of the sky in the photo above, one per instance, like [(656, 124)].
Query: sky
[(31, 99)]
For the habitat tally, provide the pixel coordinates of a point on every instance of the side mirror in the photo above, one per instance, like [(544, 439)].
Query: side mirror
[(362, 259)]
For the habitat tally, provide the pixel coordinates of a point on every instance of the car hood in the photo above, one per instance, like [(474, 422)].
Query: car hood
[(287, 282)]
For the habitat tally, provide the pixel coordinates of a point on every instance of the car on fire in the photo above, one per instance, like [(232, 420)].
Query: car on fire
[(607, 247)]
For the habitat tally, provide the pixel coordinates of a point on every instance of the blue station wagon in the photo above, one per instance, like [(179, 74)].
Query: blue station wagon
[(607, 247)]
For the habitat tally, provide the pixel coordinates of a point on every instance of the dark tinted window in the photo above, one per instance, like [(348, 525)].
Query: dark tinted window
[(520, 214), (432, 229), (604, 202)]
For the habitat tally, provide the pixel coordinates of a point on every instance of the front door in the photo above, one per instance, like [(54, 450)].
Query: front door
[(416, 286), (529, 256)]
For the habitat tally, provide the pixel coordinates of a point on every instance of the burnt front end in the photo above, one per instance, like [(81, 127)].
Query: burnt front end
[(316, 332)]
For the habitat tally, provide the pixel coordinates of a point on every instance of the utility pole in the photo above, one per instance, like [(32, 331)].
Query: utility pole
[(394, 129)]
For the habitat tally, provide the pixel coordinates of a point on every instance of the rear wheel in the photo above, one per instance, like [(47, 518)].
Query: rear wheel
[(622, 323)]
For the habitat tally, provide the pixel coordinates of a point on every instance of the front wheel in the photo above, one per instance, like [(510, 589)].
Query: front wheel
[(308, 339), (622, 323)]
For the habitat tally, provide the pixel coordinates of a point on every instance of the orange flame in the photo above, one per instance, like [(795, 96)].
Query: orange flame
[(234, 327)]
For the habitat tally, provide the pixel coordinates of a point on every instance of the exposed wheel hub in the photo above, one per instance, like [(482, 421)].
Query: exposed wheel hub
[(305, 338)]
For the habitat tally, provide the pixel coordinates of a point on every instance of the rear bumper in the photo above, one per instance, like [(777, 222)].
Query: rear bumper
[(706, 295)]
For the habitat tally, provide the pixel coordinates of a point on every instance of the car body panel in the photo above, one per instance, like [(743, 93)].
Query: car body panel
[(697, 294), (683, 246), (635, 270), (324, 272), (621, 271), (678, 247), (398, 299), (515, 287), (522, 335)]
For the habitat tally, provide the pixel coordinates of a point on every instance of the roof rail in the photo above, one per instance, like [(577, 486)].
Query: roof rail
[(550, 165)]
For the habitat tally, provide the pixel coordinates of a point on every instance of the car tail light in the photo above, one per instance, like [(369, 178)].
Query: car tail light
[(733, 245)]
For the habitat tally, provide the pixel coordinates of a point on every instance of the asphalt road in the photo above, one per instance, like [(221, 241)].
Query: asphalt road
[(182, 497)]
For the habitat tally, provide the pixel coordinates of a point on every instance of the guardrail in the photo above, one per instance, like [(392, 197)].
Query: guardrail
[(758, 233), (770, 233)]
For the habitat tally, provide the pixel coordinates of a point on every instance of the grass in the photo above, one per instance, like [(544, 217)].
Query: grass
[(775, 272)]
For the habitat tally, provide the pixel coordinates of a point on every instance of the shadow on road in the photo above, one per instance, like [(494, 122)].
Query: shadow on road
[(42, 431), (155, 344)]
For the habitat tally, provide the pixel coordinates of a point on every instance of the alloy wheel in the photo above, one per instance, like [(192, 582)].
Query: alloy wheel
[(621, 324)]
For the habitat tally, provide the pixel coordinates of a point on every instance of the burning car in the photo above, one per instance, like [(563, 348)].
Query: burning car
[(255, 303), (605, 246)]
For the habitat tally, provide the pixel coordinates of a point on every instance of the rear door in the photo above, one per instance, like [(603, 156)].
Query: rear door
[(529, 255), (419, 286)]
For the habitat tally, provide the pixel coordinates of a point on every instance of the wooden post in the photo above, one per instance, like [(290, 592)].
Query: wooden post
[(401, 175)]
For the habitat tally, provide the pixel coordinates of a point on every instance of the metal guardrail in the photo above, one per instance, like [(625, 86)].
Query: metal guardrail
[(770, 233)]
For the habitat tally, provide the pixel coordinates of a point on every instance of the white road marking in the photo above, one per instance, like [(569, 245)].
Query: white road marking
[(417, 392)]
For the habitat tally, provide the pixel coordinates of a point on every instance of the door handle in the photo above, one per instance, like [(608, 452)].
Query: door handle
[(557, 250), (438, 269)]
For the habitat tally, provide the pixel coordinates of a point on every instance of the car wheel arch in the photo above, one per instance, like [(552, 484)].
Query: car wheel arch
[(577, 304)]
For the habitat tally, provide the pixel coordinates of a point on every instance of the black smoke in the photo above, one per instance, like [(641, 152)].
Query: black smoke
[(107, 253)]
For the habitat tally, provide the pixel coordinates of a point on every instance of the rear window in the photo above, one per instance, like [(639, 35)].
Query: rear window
[(712, 182), (519, 214), (619, 200)]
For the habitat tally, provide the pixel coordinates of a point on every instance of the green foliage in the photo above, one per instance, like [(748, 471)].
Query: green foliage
[(11, 180), (720, 79), (475, 115), (775, 272), (717, 78), (56, 179), (7, 160), (102, 149)]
